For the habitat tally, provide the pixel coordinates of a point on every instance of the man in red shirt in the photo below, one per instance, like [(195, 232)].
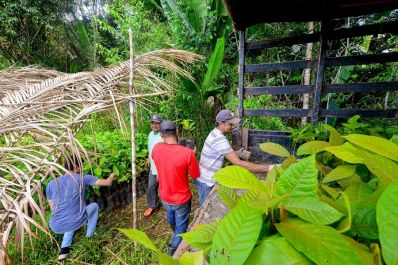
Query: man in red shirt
[(173, 163)]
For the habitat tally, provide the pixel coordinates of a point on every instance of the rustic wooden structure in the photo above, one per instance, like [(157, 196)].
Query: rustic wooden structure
[(247, 13)]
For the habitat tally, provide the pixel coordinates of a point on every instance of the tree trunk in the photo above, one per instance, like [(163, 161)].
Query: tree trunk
[(307, 71)]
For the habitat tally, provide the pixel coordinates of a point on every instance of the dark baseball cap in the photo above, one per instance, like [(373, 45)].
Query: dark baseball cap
[(156, 118), (226, 116), (168, 127)]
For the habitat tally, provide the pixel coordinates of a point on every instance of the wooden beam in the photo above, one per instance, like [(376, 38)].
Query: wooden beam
[(274, 90), (380, 28), (278, 112), (346, 113), (361, 87), (362, 59), (288, 41), (290, 65), (328, 62)]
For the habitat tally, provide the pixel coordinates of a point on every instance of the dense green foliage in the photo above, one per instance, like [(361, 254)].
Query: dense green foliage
[(335, 206), (346, 184)]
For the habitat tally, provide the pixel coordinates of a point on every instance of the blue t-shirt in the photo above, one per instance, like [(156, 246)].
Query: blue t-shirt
[(69, 205)]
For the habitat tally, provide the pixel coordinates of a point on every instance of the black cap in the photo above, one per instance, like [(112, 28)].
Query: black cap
[(156, 118), (168, 127)]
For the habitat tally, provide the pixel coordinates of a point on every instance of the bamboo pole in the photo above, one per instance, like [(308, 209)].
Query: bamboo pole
[(131, 107)]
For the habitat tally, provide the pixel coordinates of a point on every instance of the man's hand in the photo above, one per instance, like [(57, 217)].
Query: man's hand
[(106, 182), (243, 154)]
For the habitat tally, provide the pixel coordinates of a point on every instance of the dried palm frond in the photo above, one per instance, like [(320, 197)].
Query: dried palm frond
[(39, 121), (15, 78)]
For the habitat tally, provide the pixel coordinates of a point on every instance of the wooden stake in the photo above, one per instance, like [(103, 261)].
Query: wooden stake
[(307, 71), (132, 127)]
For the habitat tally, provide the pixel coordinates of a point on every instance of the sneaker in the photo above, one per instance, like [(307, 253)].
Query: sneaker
[(64, 253), (171, 251), (149, 212)]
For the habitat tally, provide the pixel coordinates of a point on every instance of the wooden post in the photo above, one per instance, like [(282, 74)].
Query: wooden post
[(132, 127), (241, 88), (319, 72), (307, 71)]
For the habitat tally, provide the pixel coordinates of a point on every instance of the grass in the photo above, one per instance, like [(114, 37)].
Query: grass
[(108, 246)]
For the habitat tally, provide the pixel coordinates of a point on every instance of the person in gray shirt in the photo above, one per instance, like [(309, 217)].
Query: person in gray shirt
[(215, 148)]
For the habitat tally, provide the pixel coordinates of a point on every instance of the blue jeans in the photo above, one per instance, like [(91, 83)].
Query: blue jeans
[(203, 191), (92, 217), (177, 217)]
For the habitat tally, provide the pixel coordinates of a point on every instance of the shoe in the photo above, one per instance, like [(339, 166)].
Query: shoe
[(64, 253), (171, 251), (149, 212)]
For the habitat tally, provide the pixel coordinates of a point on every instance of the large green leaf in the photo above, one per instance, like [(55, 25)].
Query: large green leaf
[(357, 192), (321, 244), (214, 65), (345, 225), (312, 210), (169, 7), (202, 235), (227, 195), (84, 40), (139, 237), (250, 196), (276, 250), (387, 221), (312, 147), (364, 222), (300, 179), (344, 154), (340, 172), (274, 149), (165, 259), (236, 235), (335, 137), (192, 258), (220, 8), (196, 12), (361, 250), (375, 144), (385, 169), (237, 177)]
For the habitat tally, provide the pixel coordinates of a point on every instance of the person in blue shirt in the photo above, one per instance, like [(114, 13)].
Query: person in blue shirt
[(153, 184), (66, 197)]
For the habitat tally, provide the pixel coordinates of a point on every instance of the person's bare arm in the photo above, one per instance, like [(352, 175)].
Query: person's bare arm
[(105, 182), (255, 168), (50, 202)]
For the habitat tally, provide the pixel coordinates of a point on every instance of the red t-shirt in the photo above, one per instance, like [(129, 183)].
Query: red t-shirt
[(173, 162)]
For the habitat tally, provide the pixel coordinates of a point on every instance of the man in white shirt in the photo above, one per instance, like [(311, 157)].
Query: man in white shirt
[(215, 148)]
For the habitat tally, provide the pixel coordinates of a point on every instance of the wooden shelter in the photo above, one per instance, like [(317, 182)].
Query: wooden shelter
[(248, 13)]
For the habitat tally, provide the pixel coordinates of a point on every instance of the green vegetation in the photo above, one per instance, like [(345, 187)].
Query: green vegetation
[(335, 206), (346, 183)]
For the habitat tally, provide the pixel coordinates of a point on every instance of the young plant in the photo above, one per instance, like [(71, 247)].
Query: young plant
[(334, 206)]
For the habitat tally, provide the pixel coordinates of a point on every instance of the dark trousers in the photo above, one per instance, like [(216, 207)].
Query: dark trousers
[(177, 217), (152, 192)]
